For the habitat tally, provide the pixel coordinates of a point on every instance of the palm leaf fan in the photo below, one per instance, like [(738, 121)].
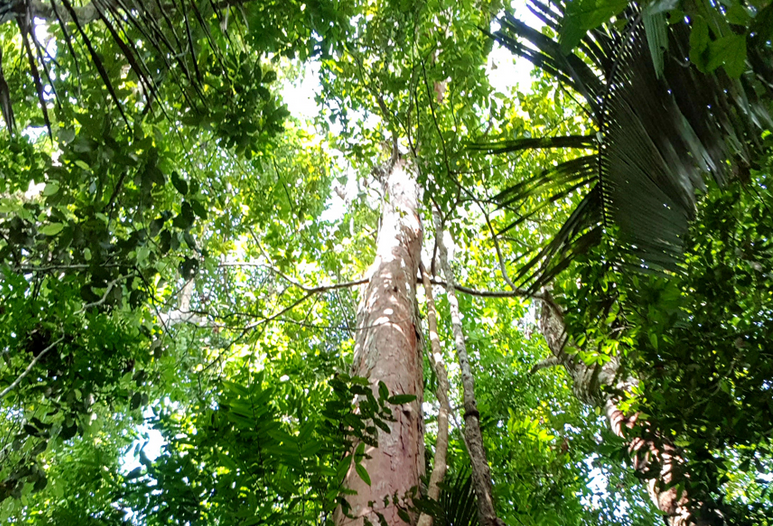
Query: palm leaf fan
[(659, 134), (458, 501)]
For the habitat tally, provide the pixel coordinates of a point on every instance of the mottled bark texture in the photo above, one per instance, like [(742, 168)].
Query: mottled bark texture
[(657, 458), (481, 473), (387, 349), (436, 359)]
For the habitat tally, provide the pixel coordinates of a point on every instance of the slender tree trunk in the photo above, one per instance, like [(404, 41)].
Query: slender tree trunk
[(596, 385), (481, 473), (388, 349), (436, 358)]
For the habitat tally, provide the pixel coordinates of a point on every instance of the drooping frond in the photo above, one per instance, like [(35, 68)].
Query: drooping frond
[(157, 40), (658, 138), (516, 145)]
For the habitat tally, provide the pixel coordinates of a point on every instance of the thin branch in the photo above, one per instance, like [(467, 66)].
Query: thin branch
[(26, 371), (517, 293), (436, 359), (103, 299), (74, 266), (481, 472), (305, 288)]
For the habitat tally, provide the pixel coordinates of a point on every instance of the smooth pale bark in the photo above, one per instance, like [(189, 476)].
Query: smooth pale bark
[(436, 358), (592, 385), (481, 472), (387, 349)]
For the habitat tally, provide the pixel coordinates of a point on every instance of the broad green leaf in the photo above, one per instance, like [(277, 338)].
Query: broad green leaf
[(52, 187), (583, 15), (763, 23), (179, 183), (730, 52), (51, 229), (383, 390), (699, 43)]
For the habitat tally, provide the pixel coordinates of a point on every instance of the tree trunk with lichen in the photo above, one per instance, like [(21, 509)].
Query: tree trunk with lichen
[(388, 349), (601, 385)]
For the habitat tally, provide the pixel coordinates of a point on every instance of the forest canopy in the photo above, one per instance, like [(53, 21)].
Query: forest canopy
[(442, 290)]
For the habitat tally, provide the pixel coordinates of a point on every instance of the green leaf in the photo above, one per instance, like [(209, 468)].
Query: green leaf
[(762, 24), (654, 340), (135, 401), (730, 52), (66, 135), (51, 188), (699, 43), (135, 473), (343, 467), (51, 229), (198, 209), (363, 473), (584, 15), (655, 27), (737, 14), (179, 183), (188, 267), (571, 35), (401, 399), (383, 390), (382, 425)]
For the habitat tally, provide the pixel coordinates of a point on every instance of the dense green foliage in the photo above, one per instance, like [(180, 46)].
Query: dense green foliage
[(699, 344), (180, 257)]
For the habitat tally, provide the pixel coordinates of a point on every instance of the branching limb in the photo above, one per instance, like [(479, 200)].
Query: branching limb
[(295, 283), (551, 361), (45, 351), (48, 11), (103, 299), (515, 293), (29, 368)]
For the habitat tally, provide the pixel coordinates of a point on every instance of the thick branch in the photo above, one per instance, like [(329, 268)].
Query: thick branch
[(550, 361), (656, 458)]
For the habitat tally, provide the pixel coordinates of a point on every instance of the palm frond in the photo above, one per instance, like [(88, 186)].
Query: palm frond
[(140, 30), (515, 145), (458, 502), (661, 128)]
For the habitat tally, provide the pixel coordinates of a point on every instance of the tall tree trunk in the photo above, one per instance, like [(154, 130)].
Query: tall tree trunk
[(387, 349), (481, 473), (657, 458)]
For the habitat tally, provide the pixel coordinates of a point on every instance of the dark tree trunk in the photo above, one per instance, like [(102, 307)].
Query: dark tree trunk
[(657, 458)]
